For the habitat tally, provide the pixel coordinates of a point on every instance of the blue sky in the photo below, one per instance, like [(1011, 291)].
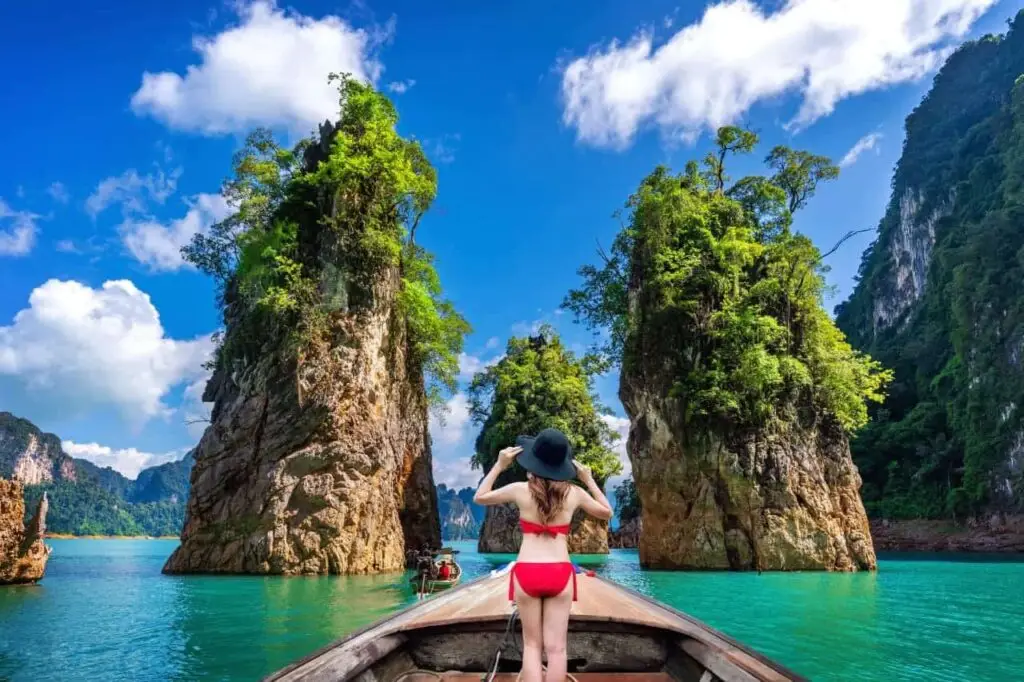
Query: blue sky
[(122, 118)]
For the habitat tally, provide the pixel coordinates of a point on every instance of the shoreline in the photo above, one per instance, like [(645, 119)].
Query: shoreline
[(998, 535), (68, 536)]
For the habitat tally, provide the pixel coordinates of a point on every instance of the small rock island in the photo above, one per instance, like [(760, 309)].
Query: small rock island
[(23, 554), (337, 341)]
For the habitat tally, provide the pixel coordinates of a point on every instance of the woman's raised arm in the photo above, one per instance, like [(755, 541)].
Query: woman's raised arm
[(485, 494), (595, 504)]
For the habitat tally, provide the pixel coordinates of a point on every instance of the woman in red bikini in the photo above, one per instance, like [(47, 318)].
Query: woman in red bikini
[(543, 580)]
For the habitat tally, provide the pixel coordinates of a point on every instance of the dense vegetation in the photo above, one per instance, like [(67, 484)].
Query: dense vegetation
[(86, 509), (944, 442), (708, 281), (317, 228), (627, 502), (540, 384)]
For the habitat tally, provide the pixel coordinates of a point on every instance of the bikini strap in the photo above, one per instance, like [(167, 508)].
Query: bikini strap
[(573, 582)]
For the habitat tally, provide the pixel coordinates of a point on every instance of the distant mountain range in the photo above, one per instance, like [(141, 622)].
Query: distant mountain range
[(86, 499), (460, 518)]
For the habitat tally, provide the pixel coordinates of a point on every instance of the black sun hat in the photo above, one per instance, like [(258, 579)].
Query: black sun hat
[(548, 455)]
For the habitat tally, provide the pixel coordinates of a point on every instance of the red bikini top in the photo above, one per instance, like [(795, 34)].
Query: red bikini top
[(540, 529)]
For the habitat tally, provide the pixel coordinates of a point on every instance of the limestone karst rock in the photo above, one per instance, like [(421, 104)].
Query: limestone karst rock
[(23, 553), (317, 459), (759, 503)]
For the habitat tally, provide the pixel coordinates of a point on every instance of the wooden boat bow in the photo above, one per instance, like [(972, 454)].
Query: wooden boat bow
[(613, 629)]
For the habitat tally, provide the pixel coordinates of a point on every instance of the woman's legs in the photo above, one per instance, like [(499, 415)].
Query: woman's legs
[(530, 616), (555, 619)]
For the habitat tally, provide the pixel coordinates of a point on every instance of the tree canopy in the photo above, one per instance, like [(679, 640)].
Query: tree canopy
[(627, 501), (313, 229), (708, 279), (541, 384)]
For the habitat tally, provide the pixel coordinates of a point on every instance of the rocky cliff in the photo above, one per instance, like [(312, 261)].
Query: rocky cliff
[(31, 456), (23, 554), (460, 518), (627, 535), (765, 502), (938, 299), (500, 533), (740, 390), (318, 459)]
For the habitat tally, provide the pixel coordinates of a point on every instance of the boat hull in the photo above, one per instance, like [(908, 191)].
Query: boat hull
[(615, 635)]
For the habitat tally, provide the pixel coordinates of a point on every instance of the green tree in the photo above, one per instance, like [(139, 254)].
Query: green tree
[(540, 384), (312, 231), (711, 279)]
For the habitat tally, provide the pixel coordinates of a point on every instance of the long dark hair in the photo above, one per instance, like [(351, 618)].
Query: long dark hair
[(548, 495)]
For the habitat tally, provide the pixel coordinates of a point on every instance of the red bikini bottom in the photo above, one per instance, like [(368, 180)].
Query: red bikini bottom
[(541, 580)]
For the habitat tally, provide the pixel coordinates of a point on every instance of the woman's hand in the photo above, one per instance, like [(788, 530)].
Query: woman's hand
[(507, 456), (583, 471)]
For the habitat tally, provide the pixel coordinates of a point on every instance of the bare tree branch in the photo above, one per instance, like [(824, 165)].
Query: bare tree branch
[(839, 243)]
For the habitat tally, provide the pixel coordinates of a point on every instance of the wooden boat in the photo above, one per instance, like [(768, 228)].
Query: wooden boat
[(469, 634), (426, 585)]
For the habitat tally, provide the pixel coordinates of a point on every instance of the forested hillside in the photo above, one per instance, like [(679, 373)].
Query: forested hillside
[(940, 298)]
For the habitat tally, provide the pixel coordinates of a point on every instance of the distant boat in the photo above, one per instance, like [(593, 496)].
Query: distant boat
[(471, 633), (426, 580)]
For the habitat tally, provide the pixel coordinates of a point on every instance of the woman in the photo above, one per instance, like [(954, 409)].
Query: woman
[(543, 580)]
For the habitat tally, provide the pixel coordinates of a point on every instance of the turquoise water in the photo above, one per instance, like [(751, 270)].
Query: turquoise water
[(104, 612)]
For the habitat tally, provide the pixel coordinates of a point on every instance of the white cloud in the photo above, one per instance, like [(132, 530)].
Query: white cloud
[(401, 87), (866, 143), (492, 343), (442, 149), (128, 461), (469, 365), (457, 473), (132, 191), (452, 427), (80, 348), (66, 246), (17, 231), (58, 192), (619, 425), (158, 245), (711, 72), (270, 70)]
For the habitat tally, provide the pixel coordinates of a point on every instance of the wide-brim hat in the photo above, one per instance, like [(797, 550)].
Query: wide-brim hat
[(548, 455)]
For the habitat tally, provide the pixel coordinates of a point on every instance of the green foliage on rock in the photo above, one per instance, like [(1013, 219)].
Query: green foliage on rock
[(541, 384), (948, 440), (709, 282), (315, 230)]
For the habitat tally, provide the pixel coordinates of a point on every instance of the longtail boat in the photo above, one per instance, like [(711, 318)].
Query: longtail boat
[(426, 581), (471, 634)]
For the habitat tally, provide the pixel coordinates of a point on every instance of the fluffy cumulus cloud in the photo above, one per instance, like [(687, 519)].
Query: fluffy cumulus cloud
[(195, 412), (401, 87), (457, 473), (469, 365), (18, 231), (79, 348), (709, 73), (864, 144), (58, 192), (128, 461), (451, 426), (619, 425), (158, 245), (133, 192), (270, 69)]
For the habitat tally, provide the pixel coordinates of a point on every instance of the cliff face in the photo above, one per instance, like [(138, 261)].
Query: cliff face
[(761, 502), (500, 533), (339, 483), (23, 554), (31, 456), (627, 535), (321, 463), (458, 514), (938, 299)]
